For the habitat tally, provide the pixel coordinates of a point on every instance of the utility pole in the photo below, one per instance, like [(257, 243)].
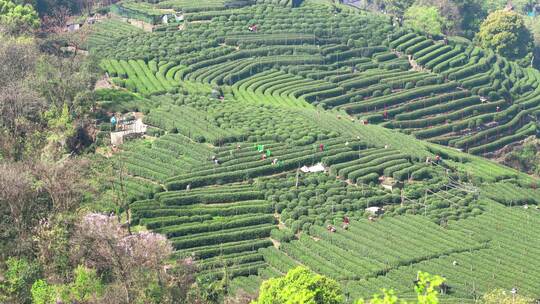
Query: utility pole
[(425, 203), (297, 175)]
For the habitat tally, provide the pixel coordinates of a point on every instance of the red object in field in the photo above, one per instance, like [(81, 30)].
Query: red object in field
[(321, 147), (346, 220), (365, 122)]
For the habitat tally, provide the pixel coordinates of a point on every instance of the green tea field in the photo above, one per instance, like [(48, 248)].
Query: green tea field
[(270, 123)]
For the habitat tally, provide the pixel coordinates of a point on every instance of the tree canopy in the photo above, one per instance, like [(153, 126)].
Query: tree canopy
[(449, 10), (396, 7), (300, 285), (505, 32), (18, 18), (426, 19)]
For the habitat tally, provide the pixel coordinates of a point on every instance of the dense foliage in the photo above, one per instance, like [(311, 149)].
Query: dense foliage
[(300, 285), (425, 19), (506, 33), (18, 18)]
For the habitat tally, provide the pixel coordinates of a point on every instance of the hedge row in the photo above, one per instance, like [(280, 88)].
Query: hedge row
[(527, 130), (399, 98), (243, 221), (211, 198), (234, 176), (206, 252), (474, 109), (377, 169), (254, 232), (439, 108), (368, 162), (363, 156), (237, 260), (269, 62), (245, 208), (158, 222)]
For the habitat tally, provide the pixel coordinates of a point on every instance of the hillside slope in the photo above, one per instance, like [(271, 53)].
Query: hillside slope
[(344, 89)]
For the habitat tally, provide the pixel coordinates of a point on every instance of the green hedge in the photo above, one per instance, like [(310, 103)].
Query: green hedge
[(394, 99), (212, 198), (255, 232), (176, 231), (224, 249)]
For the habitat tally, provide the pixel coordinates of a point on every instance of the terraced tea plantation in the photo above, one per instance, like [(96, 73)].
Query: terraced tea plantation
[(270, 121)]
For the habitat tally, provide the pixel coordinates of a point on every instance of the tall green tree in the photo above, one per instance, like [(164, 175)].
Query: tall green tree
[(520, 6), (17, 279), (505, 32), (300, 285), (425, 19), (533, 24), (86, 287), (18, 19), (449, 10), (471, 13)]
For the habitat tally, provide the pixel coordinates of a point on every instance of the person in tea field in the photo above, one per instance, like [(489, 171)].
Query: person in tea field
[(113, 123), (346, 222)]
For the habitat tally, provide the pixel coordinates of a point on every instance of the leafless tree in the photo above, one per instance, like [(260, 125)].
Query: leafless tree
[(56, 21), (60, 80), (116, 177), (20, 110), (17, 60), (22, 199), (18, 104), (105, 245), (64, 183)]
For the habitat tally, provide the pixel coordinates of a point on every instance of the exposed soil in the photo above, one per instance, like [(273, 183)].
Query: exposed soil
[(103, 83)]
